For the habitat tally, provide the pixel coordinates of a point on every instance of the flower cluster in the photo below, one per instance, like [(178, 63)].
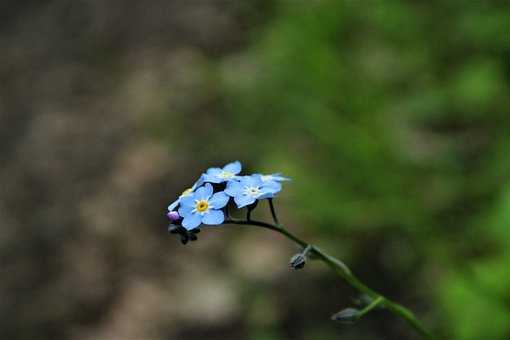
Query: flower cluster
[(205, 203)]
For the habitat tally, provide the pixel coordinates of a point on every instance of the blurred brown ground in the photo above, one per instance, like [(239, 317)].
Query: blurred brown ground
[(83, 245)]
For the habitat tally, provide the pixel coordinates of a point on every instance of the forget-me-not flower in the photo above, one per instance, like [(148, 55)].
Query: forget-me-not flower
[(251, 188), (203, 206), (220, 175), (185, 193)]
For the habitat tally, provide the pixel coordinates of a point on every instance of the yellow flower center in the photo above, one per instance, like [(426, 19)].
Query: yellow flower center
[(187, 192), (226, 175), (202, 205)]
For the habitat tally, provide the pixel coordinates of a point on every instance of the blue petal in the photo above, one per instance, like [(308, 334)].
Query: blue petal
[(242, 180), (219, 200), (272, 186), (253, 181), (243, 200), (185, 211), (212, 179), (234, 188), (278, 177), (213, 171), (212, 175), (191, 221), (198, 183), (249, 181), (208, 190), (174, 205), (213, 217), (257, 175), (266, 195), (258, 181), (188, 201), (234, 167), (203, 193)]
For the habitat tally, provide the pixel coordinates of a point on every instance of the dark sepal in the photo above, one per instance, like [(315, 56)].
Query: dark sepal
[(217, 187), (184, 234), (173, 229), (184, 238)]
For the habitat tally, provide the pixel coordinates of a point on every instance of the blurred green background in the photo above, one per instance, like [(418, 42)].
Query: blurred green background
[(390, 116)]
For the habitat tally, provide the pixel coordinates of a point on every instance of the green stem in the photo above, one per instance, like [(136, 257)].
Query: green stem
[(371, 306), (345, 273)]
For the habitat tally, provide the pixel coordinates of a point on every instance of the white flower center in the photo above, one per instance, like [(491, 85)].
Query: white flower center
[(251, 191), (225, 174)]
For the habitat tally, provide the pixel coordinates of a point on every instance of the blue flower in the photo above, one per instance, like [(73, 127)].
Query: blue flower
[(186, 193), (251, 188), (203, 206), (220, 175)]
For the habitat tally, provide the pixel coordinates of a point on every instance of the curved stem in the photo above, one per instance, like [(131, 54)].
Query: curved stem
[(370, 307), (273, 212), (345, 273)]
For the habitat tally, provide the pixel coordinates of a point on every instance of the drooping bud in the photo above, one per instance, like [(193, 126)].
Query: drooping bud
[(297, 261), (348, 315)]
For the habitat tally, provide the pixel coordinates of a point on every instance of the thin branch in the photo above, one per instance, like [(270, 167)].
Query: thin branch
[(273, 211), (227, 212), (372, 305), (307, 249), (344, 272)]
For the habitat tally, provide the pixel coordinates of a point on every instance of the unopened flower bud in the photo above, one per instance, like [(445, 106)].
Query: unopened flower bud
[(297, 261), (348, 315), (173, 216)]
